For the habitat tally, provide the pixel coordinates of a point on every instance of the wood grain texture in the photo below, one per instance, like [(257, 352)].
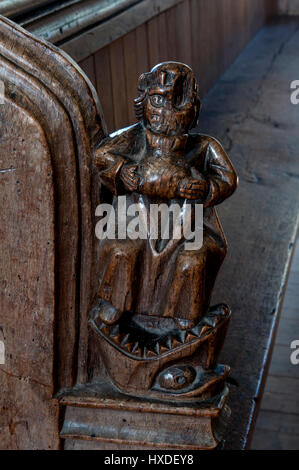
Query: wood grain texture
[(162, 33), (62, 112), (27, 283), (118, 79), (88, 67), (131, 74), (183, 33), (104, 85), (97, 416), (91, 40), (141, 50), (153, 42)]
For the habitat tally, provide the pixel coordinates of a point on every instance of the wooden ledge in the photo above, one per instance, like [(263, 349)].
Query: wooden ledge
[(103, 395), (99, 414), (83, 27)]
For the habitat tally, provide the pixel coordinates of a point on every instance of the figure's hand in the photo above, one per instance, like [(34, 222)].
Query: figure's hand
[(129, 177), (193, 188)]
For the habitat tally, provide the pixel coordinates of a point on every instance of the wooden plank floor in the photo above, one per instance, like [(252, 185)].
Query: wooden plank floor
[(278, 420)]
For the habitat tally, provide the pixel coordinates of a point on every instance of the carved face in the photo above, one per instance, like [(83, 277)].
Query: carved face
[(170, 103)]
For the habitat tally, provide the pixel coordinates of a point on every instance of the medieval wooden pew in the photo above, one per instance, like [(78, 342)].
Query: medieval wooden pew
[(50, 125)]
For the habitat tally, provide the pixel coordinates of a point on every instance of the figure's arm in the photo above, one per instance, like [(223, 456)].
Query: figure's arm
[(220, 174), (217, 179), (116, 172)]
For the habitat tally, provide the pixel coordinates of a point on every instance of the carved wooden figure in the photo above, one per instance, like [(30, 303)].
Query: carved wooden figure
[(157, 334)]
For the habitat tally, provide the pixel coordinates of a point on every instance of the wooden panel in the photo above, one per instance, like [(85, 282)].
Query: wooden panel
[(162, 33), (119, 89), (183, 33), (205, 34), (91, 40), (171, 34), (46, 142), (104, 85), (142, 58), (203, 52), (88, 67), (153, 42), (131, 73), (27, 284)]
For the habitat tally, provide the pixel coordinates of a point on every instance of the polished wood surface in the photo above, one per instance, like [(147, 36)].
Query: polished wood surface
[(50, 120), (157, 333), (98, 417)]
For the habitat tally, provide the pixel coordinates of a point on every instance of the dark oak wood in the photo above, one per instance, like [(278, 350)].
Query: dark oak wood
[(50, 120), (101, 416), (155, 330)]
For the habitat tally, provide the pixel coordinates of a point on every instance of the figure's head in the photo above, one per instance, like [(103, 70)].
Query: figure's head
[(168, 102)]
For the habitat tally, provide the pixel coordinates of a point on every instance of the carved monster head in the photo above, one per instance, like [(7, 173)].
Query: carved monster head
[(168, 102)]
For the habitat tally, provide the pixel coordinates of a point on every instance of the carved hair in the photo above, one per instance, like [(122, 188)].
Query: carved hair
[(162, 77), (139, 102)]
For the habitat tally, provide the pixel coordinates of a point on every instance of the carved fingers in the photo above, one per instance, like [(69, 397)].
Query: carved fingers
[(193, 188), (129, 177)]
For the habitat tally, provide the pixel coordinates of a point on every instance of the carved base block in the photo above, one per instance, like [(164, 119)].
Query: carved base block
[(99, 417)]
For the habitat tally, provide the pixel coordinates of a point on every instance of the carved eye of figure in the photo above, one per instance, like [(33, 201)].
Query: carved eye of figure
[(157, 100), (176, 377)]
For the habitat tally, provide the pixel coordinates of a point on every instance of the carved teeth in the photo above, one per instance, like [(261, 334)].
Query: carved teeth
[(164, 346), (163, 349), (125, 340), (175, 343), (135, 347), (167, 342), (210, 321), (128, 347), (195, 331), (115, 331), (205, 329), (118, 338), (182, 336), (104, 328), (150, 353), (190, 337), (138, 352), (99, 323)]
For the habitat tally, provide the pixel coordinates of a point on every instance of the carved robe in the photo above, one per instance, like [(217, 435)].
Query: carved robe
[(147, 276)]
